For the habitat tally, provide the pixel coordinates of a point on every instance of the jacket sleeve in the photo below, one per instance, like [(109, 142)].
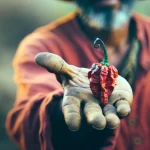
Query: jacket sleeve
[(28, 122), (109, 138)]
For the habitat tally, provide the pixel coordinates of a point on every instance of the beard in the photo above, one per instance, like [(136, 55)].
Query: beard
[(106, 18)]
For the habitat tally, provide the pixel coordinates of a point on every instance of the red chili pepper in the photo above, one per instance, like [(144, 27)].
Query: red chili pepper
[(102, 76)]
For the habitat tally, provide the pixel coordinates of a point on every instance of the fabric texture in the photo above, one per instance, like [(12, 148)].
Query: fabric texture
[(33, 122)]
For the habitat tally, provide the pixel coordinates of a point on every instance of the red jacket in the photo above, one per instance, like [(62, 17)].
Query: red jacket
[(33, 123)]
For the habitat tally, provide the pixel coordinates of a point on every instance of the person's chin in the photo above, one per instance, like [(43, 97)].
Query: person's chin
[(105, 26)]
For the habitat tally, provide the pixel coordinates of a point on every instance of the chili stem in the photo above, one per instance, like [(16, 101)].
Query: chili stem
[(99, 43)]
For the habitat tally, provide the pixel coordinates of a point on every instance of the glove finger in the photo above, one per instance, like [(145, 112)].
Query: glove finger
[(123, 108), (94, 116), (71, 111), (111, 116)]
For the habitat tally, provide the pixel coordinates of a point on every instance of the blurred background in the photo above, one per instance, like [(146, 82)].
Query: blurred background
[(17, 19)]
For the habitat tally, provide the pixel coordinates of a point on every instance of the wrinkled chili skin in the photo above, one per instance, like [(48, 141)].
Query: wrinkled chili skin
[(102, 81), (102, 76)]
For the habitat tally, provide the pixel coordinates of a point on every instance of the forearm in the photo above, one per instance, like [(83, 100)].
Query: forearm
[(109, 139), (29, 122)]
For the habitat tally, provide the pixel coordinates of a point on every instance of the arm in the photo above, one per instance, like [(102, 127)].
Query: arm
[(77, 90), (28, 122)]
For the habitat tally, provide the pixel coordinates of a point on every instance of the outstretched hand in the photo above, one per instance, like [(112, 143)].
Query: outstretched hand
[(76, 87)]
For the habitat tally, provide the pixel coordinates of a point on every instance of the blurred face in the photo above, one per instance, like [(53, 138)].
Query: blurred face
[(105, 14)]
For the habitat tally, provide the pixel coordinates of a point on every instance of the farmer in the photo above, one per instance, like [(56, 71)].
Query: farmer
[(50, 115)]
